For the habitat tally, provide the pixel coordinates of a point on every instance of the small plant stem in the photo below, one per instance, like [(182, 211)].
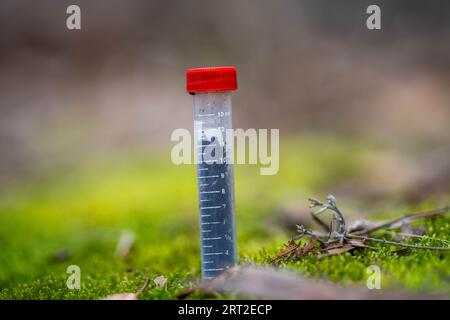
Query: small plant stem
[(398, 244), (141, 290)]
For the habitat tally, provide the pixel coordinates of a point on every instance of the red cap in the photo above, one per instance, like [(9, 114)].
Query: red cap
[(211, 79)]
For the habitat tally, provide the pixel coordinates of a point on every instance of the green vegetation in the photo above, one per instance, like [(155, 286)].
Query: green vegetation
[(84, 210)]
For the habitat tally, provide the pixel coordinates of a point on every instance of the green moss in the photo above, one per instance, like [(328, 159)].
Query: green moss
[(84, 210)]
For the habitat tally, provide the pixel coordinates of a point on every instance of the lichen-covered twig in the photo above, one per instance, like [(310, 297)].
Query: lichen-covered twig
[(407, 218), (338, 217), (339, 236)]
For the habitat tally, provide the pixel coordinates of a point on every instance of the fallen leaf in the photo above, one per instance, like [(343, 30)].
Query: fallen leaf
[(309, 246), (128, 295), (294, 249), (122, 296), (269, 283), (285, 253), (160, 281)]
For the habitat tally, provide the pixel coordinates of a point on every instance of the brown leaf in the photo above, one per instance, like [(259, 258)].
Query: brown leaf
[(309, 246), (288, 249), (295, 249)]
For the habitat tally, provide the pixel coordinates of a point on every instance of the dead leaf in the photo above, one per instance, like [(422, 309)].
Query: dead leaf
[(286, 252), (122, 296), (309, 246), (269, 283), (294, 249), (160, 281), (128, 295)]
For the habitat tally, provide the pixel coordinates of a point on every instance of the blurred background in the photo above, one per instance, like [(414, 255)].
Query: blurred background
[(304, 66), (86, 118)]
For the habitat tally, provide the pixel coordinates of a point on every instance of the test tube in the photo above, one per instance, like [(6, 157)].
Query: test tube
[(211, 88)]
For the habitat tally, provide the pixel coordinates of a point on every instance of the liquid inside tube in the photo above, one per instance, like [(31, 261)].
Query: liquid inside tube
[(212, 114)]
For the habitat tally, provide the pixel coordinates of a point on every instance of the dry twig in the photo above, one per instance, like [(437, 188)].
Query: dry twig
[(339, 238)]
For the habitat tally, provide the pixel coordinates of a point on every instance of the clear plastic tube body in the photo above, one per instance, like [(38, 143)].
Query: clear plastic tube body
[(212, 117)]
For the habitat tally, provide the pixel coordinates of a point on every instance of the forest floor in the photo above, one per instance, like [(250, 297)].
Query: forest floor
[(76, 216)]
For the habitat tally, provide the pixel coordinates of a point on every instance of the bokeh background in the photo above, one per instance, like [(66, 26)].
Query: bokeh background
[(303, 66), (362, 113)]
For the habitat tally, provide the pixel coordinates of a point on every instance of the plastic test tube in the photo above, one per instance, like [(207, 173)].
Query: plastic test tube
[(211, 88)]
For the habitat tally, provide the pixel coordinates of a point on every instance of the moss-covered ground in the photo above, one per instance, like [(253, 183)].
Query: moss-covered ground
[(83, 210)]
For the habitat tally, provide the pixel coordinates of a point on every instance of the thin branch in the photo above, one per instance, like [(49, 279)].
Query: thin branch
[(339, 235), (398, 244), (411, 235), (303, 231), (406, 218)]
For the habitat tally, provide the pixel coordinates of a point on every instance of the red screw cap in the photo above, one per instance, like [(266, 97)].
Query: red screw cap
[(211, 79)]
